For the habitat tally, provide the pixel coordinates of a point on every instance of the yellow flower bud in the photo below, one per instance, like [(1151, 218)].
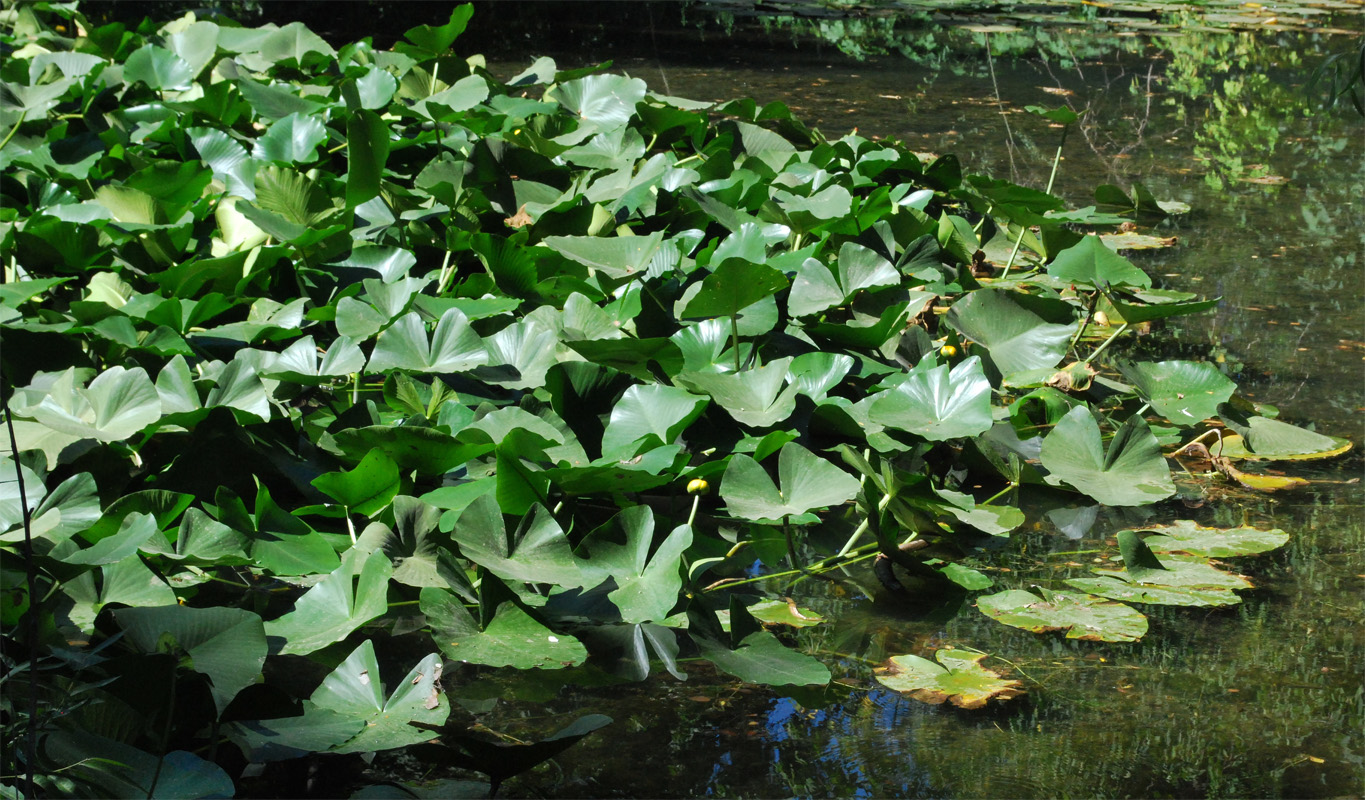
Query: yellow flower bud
[(698, 486), (948, 351)]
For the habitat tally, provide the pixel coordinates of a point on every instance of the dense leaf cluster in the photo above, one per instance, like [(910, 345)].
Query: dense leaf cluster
[(307, 350)]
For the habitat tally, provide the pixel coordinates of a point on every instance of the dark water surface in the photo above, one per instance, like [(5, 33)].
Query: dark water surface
[(1261, 700)]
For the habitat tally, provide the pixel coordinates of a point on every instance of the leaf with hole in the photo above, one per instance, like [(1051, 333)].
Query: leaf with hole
[(958, 677)]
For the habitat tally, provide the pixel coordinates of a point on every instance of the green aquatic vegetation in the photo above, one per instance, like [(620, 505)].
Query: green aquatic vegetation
[(347, 359)]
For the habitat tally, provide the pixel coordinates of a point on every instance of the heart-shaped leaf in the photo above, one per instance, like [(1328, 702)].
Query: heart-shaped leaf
[(1131, 472), (805, 482), (937, 403), (1184, 392)]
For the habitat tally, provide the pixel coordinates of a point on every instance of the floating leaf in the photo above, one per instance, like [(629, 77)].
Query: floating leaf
[(648, 416), (367, 489), (354, 690), (616, 256), (454, 347), (1090, 263), (1232, 446), (291, 140), (1185, 536), (1082, 616), (647, 583), (753, 397), (226, 644), (538, 551), (1272, 439), (1174, 582), (354, 594), (118, 403), (511, 637), (958, 677), (607, 101), (735, 285), (157, 67)]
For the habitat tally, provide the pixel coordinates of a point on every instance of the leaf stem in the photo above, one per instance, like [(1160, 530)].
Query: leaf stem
[(165, 731), (1013, 485), (1116, 334), (30, 579), (13, 131), (862, 526), (734, 337)]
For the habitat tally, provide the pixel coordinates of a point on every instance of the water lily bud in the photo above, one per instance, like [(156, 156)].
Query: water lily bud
[(947, 351), (698, 486), (1101, 318)]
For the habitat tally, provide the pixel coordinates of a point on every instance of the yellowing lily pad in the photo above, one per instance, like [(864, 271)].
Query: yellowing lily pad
[(1234, 446), (1137, 241), (1262, 483), (960, 680), (776, 612), (1184, 536)]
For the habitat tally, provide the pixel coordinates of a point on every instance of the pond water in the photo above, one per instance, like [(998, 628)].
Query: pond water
[(1264, 699)]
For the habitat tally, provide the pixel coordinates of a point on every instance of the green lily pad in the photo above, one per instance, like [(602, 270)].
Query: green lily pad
[(1174, 582), (958, 677), (648, 577), (1082, 616), (118, 403), (509, 637), (805, 482), (367, 489), (734, 285), (1017, 338), (936, 403), (354, 689), (1267, 438), (454, 346), (1130, 472), (1184, 392), (1090, 263), (1185, 536), (1233, 446), (754, 397), (349, 597), (226, 644)]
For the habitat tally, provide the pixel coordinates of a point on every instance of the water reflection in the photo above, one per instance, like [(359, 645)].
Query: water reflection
[(1262, 699)]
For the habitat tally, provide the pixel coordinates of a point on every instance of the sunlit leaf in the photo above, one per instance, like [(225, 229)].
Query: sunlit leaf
[(1130, 472), (957, 677)]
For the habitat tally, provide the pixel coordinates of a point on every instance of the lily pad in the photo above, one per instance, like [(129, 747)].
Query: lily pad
[(1185, 536), (1174, 582), (1082, 616), (805, 482), (1184, 392), (1262, 437), (1018, 339), (1131, 472), (958, 677), (937, 403)]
